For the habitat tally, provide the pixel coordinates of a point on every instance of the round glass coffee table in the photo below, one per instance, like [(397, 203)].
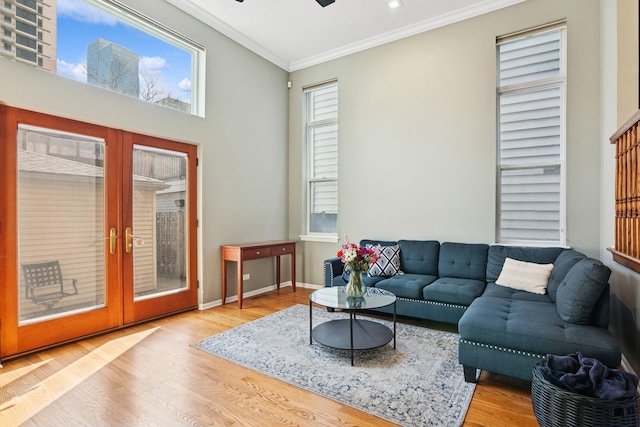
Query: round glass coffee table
[(352, 333)]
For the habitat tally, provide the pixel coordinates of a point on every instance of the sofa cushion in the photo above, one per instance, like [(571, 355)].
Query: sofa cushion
[(498, 253), (534, 327), (463, 260), (580, 290), (454, 290), (493, 290), (406, 286), (561, 267), (526, 276), (388, 263), (419, 256)]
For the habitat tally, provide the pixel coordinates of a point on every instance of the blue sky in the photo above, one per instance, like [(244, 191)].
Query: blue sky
[(79, 24)]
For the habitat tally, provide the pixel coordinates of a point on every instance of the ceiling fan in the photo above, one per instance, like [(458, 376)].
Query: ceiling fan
[(322, 3)]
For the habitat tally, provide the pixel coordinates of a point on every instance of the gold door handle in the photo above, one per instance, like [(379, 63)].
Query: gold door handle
[(112, 240), (128, 245)]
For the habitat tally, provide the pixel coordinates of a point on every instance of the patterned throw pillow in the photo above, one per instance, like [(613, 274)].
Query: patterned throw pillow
[(389, 262)]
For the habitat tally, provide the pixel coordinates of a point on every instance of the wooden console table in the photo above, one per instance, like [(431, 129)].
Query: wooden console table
[(249, 251)]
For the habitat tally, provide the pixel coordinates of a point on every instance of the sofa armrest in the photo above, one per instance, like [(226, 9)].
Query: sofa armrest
[(333, 267)]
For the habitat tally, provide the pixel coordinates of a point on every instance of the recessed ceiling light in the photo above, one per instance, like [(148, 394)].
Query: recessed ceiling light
[(394, 4)]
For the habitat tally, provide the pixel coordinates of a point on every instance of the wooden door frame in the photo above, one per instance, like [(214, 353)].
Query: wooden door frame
[(112, 316), (188, 298), (15, 338)]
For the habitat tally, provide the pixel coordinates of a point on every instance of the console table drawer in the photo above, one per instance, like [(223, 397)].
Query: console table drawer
[(283, 249), (256, 253)]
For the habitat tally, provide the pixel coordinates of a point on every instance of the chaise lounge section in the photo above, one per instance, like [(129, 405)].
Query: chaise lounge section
[(504, 327)]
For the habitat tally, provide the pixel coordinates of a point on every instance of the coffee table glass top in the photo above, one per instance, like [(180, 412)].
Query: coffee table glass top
[(336, 297)]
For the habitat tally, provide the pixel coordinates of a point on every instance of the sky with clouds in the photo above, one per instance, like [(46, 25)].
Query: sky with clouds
[(79, 24)]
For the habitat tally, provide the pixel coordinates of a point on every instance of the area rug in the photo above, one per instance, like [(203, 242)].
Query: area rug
[(420, 383)]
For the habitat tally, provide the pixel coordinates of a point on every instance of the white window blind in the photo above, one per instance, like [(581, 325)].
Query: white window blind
[(531, 136), (322, 165)]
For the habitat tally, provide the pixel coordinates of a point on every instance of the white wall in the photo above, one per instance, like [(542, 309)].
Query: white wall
[(242, 139), (418, 134)]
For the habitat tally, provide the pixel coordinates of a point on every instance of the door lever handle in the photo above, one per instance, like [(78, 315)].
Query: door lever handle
[(130, 239), (113, 235), (128, 245)]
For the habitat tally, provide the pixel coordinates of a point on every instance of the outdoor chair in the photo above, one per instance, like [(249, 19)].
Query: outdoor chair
[(44, 283)]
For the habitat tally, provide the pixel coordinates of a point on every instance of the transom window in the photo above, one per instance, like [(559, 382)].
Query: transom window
[(107, 44)]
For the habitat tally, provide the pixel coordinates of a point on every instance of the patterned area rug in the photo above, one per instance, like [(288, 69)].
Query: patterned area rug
[(420, 383)]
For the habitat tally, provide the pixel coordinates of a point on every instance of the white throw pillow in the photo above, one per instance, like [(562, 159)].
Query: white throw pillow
[(525, 276)]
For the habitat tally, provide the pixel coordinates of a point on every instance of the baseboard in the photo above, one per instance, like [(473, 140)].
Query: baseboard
[(253, 293)]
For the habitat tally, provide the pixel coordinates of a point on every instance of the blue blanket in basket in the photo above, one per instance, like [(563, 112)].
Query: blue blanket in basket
[(589, 376)]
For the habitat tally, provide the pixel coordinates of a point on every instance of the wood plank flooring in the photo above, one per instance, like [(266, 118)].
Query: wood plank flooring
[(149, 375)]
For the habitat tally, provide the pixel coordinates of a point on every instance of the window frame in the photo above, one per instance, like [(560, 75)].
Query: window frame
[(559, 82), (308, 156), (168, 35)]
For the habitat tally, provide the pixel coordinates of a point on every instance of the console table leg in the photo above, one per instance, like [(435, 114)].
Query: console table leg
[(293, 269), (239, 283), (224, 281)]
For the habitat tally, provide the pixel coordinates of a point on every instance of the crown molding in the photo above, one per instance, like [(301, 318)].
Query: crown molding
[(201, 14), (223, 28), (410, 30)]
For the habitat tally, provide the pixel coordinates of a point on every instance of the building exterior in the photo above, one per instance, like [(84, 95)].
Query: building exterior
[(175, 103), (28, 32), (113, 67)]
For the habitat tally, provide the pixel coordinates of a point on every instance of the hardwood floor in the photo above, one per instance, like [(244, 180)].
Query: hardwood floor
[(149, 375)]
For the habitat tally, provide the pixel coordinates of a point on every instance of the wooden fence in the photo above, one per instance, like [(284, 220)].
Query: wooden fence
[(170, 244)]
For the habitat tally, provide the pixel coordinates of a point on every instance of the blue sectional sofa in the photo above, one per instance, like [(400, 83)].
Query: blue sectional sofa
[(503, 329)]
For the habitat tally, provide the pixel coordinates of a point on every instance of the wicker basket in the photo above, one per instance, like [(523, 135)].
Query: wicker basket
[(556, 407)]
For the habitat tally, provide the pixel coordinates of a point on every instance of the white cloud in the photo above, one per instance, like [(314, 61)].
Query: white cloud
[(152, 63), (72, 71), (185, 85), (80, 11)]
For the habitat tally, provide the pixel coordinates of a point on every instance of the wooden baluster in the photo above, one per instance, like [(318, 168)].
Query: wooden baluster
[(618, 225), (625, 194), (636, 195), (632, 195), (625, 223)]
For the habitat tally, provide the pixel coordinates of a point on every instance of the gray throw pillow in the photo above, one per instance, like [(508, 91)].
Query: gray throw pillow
[(579, 291), (561, 266)]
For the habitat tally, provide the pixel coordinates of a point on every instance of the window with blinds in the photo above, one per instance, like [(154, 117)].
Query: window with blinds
[(322, 159), (531, 137)]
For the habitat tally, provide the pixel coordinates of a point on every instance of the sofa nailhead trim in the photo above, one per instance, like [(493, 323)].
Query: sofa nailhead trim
[(507, 350), (464, 307)]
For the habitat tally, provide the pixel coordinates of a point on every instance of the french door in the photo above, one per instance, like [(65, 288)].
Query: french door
[(97, 229)]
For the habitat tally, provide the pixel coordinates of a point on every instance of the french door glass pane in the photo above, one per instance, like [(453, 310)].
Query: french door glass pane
[(60, 223), (159, 222)]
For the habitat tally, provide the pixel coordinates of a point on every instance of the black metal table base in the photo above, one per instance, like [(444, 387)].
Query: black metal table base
[(352, 334)]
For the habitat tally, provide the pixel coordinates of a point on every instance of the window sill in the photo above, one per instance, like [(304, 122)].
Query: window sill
[(325, 238)]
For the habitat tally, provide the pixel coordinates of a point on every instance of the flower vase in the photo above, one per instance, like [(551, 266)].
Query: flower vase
[(355, 285)]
